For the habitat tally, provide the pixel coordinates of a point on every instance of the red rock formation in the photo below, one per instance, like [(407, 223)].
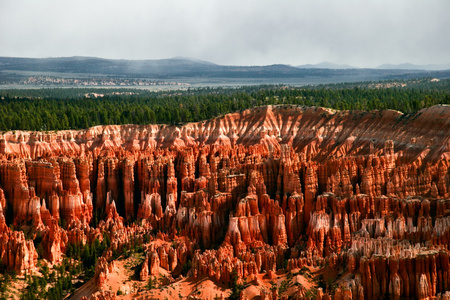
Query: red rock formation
[(128, 187), (250, 192), (3, 225), (16, 253), (54, 241), (102, 269), (101, 295)]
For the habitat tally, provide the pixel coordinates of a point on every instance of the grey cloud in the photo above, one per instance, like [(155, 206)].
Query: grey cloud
[(355, 32)]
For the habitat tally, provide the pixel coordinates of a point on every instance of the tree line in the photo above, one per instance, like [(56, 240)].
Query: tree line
[(60, 109)]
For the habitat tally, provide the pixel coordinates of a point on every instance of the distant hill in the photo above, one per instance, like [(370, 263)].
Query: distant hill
[(173, 67), (181, 67), (325, 65), (408, 66), (93, 65)]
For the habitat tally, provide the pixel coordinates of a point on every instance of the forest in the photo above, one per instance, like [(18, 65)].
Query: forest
[(77, 108)]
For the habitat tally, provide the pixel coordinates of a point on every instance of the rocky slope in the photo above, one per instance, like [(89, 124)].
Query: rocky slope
[(361, 197)]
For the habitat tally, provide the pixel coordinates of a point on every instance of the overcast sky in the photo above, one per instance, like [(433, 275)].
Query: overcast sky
[(362, 33)]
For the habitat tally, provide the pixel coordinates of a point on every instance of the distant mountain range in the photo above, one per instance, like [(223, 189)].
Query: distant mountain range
[(408, 66), (405, 66), (186, 67)]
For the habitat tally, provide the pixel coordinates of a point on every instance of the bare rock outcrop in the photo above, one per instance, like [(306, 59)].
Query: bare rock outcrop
[(254, 192)]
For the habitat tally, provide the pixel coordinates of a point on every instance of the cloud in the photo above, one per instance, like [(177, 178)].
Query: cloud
[(361, 33)]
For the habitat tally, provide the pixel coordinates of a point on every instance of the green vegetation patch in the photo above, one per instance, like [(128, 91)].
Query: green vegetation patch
[(60, 109)]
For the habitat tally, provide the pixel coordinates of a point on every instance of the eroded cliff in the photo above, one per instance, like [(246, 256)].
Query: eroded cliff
[(363, 197)]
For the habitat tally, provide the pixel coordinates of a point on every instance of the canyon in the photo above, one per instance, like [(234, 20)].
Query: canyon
[(336, 204)]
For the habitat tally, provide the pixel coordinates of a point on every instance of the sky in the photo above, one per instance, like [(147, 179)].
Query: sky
[(360, 33)]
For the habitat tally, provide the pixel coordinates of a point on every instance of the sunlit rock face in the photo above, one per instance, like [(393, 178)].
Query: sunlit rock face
[(365, 194)]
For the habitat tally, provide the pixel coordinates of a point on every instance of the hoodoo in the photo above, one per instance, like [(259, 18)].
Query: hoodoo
[(359, 199)]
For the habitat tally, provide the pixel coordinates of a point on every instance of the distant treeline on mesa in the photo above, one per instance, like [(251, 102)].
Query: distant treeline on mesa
[(60, 109)]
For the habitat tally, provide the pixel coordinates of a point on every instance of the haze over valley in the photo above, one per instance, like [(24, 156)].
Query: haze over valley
[(186, 72)]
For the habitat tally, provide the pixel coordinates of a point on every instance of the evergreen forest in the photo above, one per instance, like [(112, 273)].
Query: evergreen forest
[(77, 108)]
